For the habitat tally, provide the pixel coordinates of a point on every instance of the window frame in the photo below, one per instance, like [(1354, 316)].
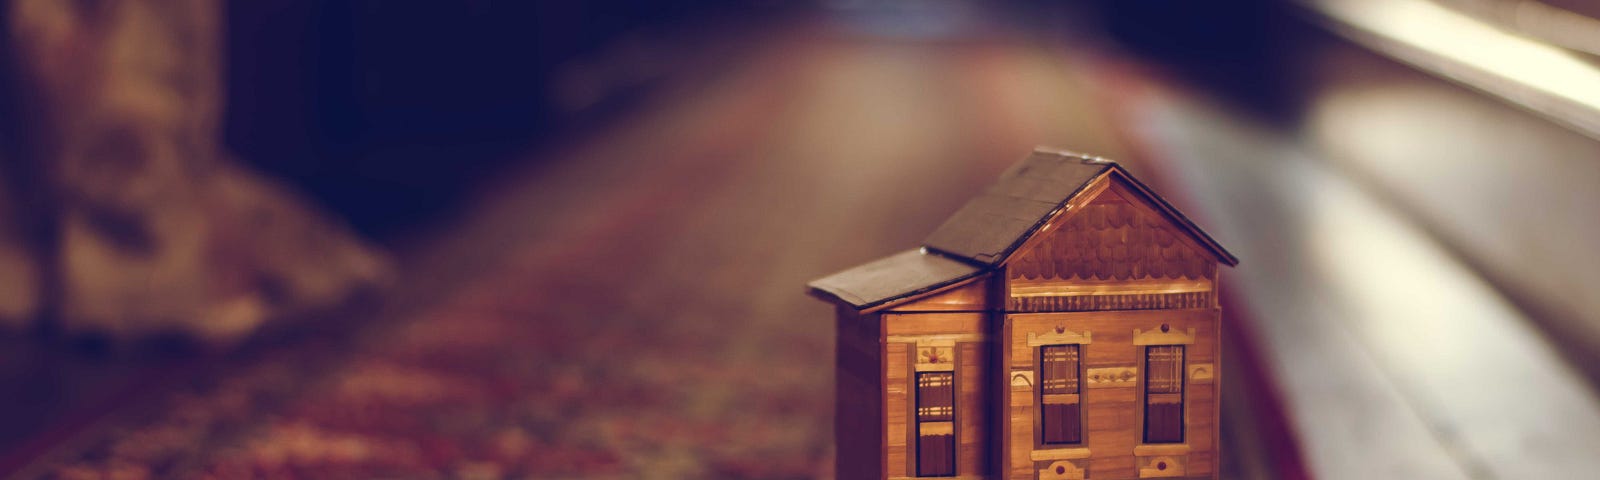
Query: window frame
[(1060, 336), (934, 357), (1145, 395), (1163, 336), (1078, 393)]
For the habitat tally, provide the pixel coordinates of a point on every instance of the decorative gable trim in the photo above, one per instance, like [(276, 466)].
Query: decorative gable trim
[(1061, 336)]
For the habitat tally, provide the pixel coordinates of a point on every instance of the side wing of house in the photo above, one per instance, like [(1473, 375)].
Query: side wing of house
[(1109, 343), (938, 384)]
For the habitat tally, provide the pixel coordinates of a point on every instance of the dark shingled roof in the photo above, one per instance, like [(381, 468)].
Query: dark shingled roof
[(988, 229), (903, 274), (989, 226)]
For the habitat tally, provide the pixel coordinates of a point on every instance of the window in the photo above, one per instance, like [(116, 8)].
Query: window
[(1163, 394), (1060, 419), (936, 440)]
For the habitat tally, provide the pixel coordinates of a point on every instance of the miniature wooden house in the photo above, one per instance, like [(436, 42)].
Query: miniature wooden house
[(1062, 325)]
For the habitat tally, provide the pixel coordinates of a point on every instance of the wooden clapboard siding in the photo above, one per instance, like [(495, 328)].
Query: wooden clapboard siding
[(1107, 349), (1112, 466), (1113, 427), (973, 381), (1200, 463), (1020, 421), (972, 408), (1013, 465), (1110, 415), (856, 428), (1117, 326), (911, 324), (1215, 447), (858, 409), (1114, 328), (898, 451), (1202, 406), (857, 346), (969, 296)]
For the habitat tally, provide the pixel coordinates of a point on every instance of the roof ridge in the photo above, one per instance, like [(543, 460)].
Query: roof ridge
[(1086, 158), (935, 251)]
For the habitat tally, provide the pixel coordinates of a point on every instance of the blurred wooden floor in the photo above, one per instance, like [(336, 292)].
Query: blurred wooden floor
[(632, 306)]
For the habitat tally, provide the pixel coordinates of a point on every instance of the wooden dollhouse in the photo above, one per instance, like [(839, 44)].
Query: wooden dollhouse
[(1062, 325)]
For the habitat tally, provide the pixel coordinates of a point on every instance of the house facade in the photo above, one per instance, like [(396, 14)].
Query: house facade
[(1062, 325)]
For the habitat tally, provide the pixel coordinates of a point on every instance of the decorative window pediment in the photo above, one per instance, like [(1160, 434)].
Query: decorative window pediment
[(936, 356), (1061, 336), (1163, 336)]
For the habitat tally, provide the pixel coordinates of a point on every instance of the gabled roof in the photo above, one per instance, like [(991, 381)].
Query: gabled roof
[(989, 228), (994, 223)]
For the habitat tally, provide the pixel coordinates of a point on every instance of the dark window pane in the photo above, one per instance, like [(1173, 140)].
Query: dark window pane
[(936, 455), (1061, 423)]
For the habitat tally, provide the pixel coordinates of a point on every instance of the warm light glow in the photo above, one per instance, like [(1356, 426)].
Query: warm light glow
[(1484, 50)]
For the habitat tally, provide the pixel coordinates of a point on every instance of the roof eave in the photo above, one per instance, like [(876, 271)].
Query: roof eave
[(907, 297)]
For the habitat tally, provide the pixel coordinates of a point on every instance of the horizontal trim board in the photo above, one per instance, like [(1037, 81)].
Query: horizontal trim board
[(1069, 288)]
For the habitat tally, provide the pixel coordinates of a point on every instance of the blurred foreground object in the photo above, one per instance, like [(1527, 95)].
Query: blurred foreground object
[(134, 220)]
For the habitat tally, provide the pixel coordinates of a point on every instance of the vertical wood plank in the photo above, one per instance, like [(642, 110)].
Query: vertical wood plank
[(897, 403), (858, 406), (973, 408)]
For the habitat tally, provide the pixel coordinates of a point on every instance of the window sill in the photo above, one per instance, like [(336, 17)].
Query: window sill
[(1161, 449), (1071, 453)]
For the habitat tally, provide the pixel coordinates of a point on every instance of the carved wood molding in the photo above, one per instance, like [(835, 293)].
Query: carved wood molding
[(1063, 470), (1061, 336), (1070, 288), (1087, 303), (1162, 466), (1159, 337), (1112, 238), (1109, 377), (1021, 380), (936, 355), (1201, 373)]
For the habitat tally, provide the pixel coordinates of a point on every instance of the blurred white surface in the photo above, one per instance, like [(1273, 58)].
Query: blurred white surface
[(1395, 359)]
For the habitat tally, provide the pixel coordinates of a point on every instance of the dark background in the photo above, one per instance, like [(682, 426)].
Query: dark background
[(388, 112)]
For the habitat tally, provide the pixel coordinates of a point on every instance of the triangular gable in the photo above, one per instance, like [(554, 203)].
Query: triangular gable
[(1108, 240), (1117, 187), (1038, 190)]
